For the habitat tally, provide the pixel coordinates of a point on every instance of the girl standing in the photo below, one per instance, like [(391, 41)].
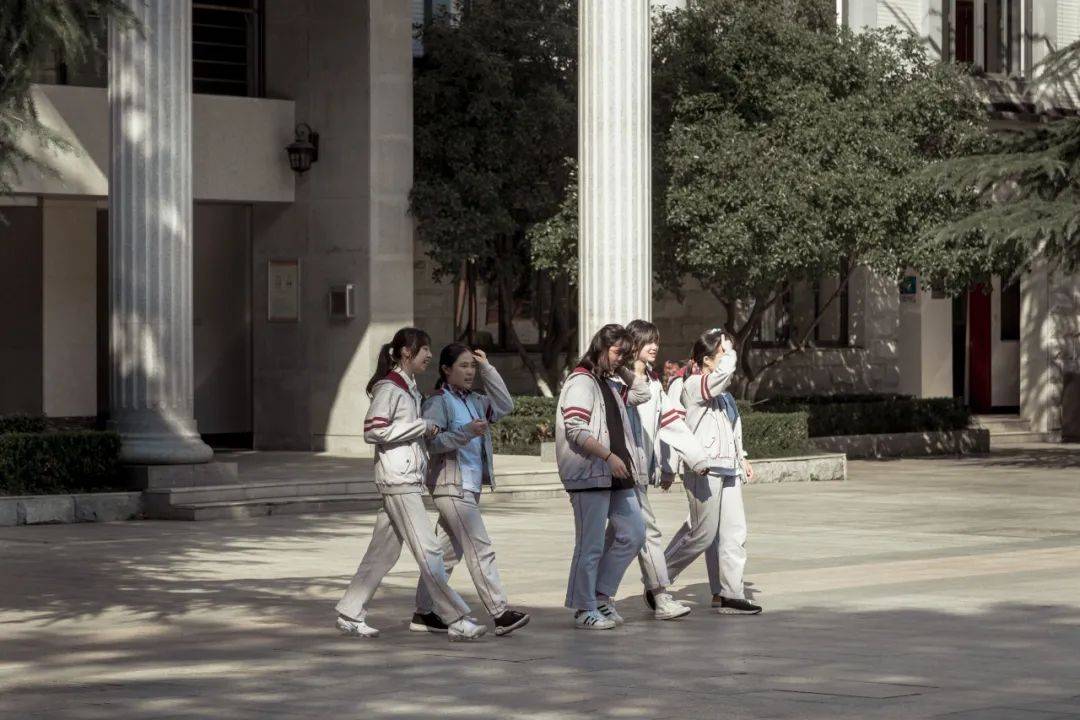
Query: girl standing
[(396, 429), (659, 429), (462, 464), (716, 509), (599, 464)]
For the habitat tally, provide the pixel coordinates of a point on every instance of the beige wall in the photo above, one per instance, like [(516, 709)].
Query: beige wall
[(238, 147), (925, 345), (348, 67), (69, 318)]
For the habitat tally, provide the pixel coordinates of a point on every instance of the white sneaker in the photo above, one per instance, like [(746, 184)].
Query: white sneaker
[(592, 620), (607, 609), (668, 608), (356, 628), (465, 629)]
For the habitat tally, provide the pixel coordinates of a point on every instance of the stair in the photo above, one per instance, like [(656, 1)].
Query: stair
[(274, 490), (1008, 430)]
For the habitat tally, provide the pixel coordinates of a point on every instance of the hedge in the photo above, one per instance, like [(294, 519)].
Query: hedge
[(59, 462), (878, 415), (533, 423), (21, 424)]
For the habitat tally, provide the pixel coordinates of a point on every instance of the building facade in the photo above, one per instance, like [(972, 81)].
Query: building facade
[(297, 278)]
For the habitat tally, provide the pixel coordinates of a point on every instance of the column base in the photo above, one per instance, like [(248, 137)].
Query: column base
[(163, 449)]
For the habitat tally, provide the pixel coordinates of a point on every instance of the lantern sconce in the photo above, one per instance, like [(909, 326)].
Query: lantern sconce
[(304, 150)]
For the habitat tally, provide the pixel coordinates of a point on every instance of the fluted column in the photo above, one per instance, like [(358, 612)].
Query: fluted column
[(615, 247), (150, 226)]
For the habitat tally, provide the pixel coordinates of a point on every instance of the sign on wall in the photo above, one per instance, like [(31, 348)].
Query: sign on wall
[(283, 298)]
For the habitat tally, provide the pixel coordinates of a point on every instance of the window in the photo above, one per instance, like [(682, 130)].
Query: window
[(226, 47), (831, 303), (1010, 312), (775, 328), (425, 11), (988, 34)]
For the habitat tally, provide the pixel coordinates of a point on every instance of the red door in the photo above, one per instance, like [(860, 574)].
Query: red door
[(979, 348)]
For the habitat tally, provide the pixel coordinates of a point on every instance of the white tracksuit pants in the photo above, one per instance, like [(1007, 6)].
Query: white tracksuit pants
[(717, 528), (402, 520), (595, 569), (462, 533)]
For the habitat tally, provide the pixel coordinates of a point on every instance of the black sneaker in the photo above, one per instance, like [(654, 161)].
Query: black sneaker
[(428, 622), (729, 606), (509, 621), (650, 599)]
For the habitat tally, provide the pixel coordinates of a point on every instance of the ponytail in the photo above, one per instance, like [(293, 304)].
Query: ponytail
[(390, 354)]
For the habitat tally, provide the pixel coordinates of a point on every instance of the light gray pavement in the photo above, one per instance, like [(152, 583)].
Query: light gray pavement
[(917, 589)]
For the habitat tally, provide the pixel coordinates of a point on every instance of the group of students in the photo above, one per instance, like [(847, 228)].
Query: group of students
[(618, 434)]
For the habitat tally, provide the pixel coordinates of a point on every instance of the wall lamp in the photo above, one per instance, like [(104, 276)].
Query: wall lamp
[(304, 150)]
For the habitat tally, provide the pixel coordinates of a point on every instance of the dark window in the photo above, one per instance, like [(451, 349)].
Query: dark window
[(965, 31), (775, 328), (832, 304), (226, 47), (1010, 312)]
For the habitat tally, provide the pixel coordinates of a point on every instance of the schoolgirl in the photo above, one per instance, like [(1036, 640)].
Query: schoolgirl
[(461, 465), (396, 429), (664, 439), (717, 516), (600, 465)]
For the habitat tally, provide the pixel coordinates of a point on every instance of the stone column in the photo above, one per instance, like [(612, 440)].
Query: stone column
[(614, 156), (150, 220)]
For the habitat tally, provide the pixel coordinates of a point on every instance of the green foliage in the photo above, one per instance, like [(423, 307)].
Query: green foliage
[(21, 424), (28, 31), (1025, 191), (861, 415), (60, 462), (495, 116), (767, 435), (533, 406), (514, 435), (553, 243)]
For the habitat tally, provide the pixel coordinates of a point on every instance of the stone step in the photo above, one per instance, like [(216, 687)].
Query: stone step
[(296, 505), (261, 490), (1001, 423), (1005, 439), (152, 477)]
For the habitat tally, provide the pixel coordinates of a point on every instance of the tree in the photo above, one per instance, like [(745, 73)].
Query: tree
[(495, 116), (1024, 191), (28, 30), (795, 148)]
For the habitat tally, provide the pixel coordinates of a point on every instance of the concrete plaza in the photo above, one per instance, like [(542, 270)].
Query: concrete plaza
[(917, 589)]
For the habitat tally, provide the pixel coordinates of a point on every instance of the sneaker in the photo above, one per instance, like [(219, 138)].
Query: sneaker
[(356, 628), (465, 629), (730, 606), (607, 609), (427, 622), (650, 598), (668, 608), (592, 620), (510, 620)]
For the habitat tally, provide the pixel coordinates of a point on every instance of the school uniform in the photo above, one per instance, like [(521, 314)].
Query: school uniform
[(461, 466), (702, 396), (395, 427), (664, 439), (588, 407), (725, 558)]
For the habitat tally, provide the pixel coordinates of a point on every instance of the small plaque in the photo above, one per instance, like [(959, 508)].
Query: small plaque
[(283, 299)]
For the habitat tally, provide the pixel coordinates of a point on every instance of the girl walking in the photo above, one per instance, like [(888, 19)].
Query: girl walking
[(716, 508), (461, 465), (396, 429), (599, 464), (664, 441)]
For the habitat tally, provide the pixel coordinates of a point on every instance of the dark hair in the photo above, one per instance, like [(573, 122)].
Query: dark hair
[(642, 332), (447, 358), (707, 345), (390, 354), (606, 337)]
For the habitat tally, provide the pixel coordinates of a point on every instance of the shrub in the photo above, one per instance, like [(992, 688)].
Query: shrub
[(882, 414), (768, 435), (514, 435), (532, 406), (21, 424), (60, 462)]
